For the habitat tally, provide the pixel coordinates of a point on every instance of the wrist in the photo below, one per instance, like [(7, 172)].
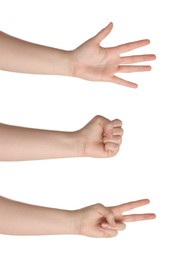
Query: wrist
[(76, 222), (70, 144), (66, 63), (75, 68), (69, 222), (70, 225)]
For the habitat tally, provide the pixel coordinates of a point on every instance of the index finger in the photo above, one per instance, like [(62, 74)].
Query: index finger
[(118, 210), (132, 45)]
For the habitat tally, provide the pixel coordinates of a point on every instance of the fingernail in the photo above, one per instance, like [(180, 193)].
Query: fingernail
[(104, 225)]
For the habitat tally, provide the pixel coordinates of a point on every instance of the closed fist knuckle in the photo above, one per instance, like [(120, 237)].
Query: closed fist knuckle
[(119, 140)]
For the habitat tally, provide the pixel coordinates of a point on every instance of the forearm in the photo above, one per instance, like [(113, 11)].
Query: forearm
[(19, 143), (18, 218), (25, 57)]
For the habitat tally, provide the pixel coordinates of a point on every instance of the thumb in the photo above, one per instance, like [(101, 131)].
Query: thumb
[(103, 33), (106, 213), (119, 226)]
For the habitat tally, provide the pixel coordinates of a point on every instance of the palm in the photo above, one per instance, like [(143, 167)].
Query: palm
[(96, 63)]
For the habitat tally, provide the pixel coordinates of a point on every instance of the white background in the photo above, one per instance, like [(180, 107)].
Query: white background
[(148, 164)]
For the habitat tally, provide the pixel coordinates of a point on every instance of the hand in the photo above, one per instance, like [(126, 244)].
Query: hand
[(101, 137), (93, 62), (100, 221)]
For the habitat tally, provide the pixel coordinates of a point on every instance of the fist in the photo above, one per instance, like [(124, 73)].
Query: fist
[(102, 137)]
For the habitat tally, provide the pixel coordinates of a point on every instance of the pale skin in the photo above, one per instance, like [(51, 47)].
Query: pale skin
[(89, 61), (97, 221), (100, 138)]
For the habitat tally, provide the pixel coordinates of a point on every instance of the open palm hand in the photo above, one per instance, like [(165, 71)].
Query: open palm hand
[(95, 63)]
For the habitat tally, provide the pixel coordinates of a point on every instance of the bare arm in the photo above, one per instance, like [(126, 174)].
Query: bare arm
[(89, 61), (18, 218), (99, 138), (20, 143), (25, 57)]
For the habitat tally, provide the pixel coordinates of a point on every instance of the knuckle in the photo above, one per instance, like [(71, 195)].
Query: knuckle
[(116, 148), (97, 117), (119, 140), (120, 131), (118, 122), (98, 206)]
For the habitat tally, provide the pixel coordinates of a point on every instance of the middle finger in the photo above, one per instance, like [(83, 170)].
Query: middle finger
[(137, 58), (130, 68), (137, 217)]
